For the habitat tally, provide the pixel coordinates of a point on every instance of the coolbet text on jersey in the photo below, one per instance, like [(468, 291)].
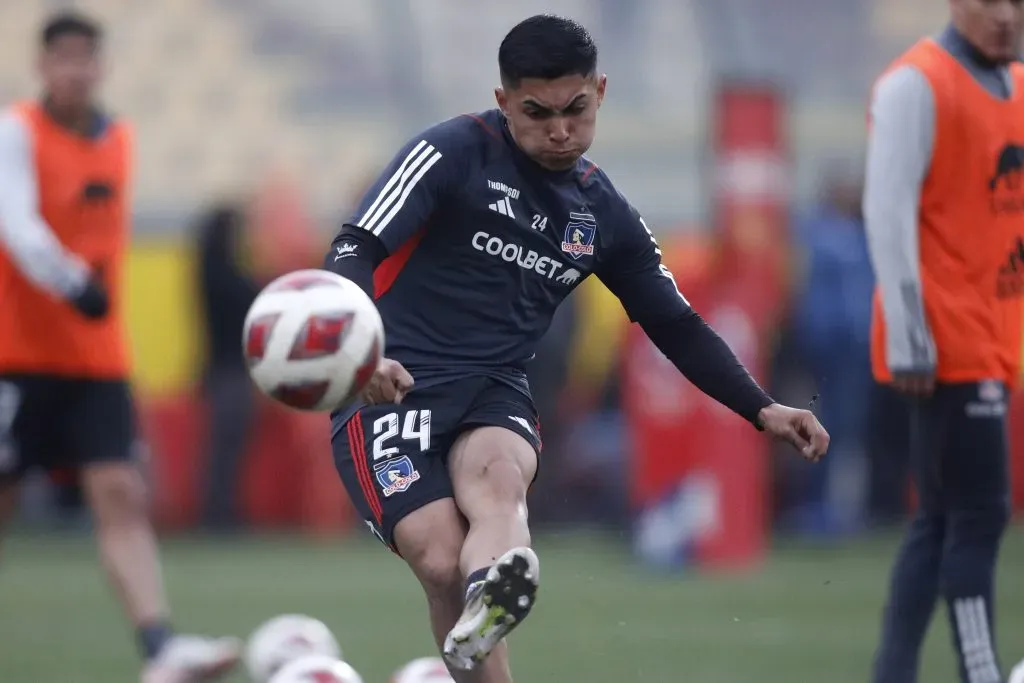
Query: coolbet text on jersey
[(971, 227), (83, 197)]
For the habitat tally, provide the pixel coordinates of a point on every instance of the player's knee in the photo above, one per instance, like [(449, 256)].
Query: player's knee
[(504, 480), (437, 568), (116, 494), (495, 466), (430, 540)]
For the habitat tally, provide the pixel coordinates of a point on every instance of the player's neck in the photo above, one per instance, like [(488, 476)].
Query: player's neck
[(79, 120), (957, 43)]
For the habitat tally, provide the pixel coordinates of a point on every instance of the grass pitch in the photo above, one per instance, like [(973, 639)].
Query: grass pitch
[(809, 615)]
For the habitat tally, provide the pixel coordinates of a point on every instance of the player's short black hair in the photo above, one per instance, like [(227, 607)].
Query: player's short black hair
[(69, 23), (546, 46)]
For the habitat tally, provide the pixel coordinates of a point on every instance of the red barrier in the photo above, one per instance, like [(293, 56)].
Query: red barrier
[(288, 477), (699, 474)]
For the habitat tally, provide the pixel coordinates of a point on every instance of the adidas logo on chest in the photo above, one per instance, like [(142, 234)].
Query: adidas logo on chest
[(504, 205)]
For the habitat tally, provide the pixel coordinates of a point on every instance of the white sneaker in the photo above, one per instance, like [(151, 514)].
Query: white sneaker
[(493, 608), (1017, 675), (191, 659)]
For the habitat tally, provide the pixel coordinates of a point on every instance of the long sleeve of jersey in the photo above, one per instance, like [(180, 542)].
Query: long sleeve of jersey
[(399, 204), (899, 154), (648, 292), (24, 235)]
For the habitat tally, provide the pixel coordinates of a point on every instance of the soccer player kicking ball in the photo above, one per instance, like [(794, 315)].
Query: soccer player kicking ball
[(469, 240), (65, 401)]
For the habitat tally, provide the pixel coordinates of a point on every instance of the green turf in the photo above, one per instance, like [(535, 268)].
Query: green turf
[(809, 616)]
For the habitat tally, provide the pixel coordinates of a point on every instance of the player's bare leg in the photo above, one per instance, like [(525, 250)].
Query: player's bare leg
[(117, 496), (491, 470), (430, 540), (127, 544)]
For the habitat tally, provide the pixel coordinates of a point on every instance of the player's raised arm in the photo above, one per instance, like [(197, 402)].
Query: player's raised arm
[(24, 235), (649, 294), (899, 154), (398, 204)]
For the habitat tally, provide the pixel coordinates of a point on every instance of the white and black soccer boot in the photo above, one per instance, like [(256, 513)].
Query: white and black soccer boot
[(494, 607), (193, 659)]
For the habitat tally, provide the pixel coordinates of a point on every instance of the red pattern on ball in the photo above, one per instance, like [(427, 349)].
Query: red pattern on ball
[(302, 396), (258, 337), (321, 335)]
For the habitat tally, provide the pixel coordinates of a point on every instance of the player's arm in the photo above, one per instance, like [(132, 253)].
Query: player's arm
[(397, 206), (898, 158), (650, 296), (25, 236)]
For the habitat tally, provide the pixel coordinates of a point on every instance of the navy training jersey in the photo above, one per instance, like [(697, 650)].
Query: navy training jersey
[(484, 244)]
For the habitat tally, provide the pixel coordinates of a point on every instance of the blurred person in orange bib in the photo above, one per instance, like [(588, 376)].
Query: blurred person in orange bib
[(944, 210), (65, 399)]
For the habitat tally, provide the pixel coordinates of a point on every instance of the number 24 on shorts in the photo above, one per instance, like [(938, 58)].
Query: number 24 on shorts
[(414, 427)]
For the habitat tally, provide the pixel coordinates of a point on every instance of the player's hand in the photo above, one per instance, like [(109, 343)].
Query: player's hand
[(914, 383), (389, 384), (799, 427), (92, 300)]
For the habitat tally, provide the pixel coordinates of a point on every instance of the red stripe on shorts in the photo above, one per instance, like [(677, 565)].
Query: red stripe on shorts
[(355, 441)]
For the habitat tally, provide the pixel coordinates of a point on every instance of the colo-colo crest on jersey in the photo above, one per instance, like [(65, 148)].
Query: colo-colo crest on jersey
[(579, 235)]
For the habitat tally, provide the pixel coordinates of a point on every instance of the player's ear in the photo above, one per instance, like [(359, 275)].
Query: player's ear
[(502, 100), (602, 85)]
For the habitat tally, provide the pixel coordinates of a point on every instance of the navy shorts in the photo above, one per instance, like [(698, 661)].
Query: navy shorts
[(393, 459), (56, 423)]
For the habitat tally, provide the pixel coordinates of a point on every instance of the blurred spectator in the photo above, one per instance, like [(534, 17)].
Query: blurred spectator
[(225, 291), (592, 480), (240, 250), (547, 373), (831, 325)]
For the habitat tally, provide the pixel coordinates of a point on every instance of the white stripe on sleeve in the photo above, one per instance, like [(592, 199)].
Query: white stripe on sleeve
[(26, 237), (661, 266), (399, 186)]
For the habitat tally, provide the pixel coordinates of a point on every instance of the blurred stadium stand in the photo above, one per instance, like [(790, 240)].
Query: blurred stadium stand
[(221, 89)]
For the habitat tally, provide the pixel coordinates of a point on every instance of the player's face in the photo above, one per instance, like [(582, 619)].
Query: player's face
[(993, 26), (553, 121), (70, 69)]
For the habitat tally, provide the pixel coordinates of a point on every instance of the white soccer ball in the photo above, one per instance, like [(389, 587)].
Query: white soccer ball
[(316, 669), (423, 670), (286, 638), (312, 340)]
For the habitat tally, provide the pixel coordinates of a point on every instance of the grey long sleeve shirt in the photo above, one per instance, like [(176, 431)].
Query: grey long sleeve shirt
[(898, 161), (24, 235)]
